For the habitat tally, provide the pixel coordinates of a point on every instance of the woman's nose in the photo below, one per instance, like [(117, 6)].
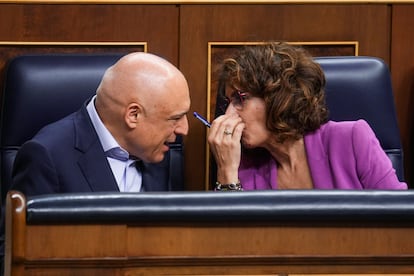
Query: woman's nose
[(231, 110)]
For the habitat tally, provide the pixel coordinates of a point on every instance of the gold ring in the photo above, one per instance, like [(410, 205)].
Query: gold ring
[(226, 132)]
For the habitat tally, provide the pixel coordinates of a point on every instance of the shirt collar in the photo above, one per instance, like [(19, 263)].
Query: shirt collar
[(105, 137)]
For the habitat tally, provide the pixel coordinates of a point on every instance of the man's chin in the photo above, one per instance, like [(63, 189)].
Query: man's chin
[(158, 158)]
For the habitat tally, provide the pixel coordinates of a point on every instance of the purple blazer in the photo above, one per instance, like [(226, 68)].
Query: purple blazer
[(341, 155)]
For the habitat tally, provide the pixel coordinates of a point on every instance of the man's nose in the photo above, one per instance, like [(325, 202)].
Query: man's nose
[(182, 126)]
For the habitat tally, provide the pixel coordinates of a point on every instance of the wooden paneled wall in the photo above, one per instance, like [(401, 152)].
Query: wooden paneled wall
[(181, 33), (402, 71)]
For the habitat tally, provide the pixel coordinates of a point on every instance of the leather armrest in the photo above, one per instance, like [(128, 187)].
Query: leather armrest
[(205, 207)]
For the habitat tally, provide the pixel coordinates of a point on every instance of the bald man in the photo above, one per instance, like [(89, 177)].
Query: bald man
[(140, 106)]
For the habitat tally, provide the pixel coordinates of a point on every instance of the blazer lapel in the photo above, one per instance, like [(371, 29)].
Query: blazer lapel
[(155, 177), (318, 161), (97, 170), (93, 162)]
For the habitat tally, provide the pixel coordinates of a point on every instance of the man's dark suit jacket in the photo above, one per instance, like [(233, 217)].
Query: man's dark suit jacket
[(67, 157)]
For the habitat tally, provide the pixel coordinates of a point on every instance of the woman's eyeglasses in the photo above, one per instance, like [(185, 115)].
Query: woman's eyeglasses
[(236, 98)]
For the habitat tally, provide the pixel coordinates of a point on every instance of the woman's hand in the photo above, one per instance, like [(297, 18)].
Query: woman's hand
[(224, 140)]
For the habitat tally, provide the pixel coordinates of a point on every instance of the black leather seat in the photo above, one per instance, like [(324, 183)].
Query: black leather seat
[(40, 89), (360, 88)]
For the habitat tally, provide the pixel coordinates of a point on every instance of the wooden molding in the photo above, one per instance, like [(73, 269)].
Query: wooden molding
[(207, 1)]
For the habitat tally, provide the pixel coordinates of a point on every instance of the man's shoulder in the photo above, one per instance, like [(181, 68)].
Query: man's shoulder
[(61, 129)]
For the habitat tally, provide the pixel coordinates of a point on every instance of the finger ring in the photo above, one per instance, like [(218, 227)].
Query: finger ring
[(226, 132)]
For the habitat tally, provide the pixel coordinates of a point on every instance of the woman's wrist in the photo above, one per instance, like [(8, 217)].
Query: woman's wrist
[(232, 186), (227, 175)]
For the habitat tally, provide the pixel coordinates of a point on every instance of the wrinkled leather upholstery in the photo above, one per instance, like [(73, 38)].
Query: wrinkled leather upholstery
[(204, 207), (40, 89)]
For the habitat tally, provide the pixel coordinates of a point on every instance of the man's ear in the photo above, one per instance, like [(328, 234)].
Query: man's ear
[(133, 114)]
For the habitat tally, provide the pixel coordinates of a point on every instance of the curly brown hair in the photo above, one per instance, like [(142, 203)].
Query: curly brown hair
[(288, 79)]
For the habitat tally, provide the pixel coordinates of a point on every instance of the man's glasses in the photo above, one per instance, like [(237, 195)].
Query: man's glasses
[(236, 98)]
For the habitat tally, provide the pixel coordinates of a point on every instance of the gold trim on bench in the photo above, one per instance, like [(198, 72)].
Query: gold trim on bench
[(178, 2), (72, 43)]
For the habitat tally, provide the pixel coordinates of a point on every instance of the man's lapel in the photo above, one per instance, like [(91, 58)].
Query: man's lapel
[(97, 171), (93, 162), (155, 177)]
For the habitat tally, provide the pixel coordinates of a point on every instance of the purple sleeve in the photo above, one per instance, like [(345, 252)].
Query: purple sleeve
[(374, 168)]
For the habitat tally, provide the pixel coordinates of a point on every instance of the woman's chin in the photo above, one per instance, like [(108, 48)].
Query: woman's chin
[(246, 144)]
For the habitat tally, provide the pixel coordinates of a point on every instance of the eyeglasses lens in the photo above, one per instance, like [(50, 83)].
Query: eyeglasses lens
[(237, 98)]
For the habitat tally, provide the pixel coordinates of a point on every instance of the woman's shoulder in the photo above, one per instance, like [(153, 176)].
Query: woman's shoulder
[(341, 134), (345, 128), (345, 125)]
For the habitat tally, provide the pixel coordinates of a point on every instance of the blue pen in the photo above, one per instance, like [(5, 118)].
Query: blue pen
[(202, 119)]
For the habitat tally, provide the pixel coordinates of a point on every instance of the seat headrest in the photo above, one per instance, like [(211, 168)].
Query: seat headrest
[(56, 84), (360, 88)]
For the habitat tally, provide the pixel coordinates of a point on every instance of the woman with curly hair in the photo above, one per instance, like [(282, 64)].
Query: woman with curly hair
[(276, 108)]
